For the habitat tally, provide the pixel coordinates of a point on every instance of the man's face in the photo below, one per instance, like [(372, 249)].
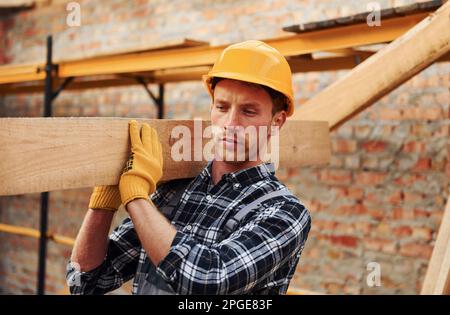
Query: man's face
[(237, 113)]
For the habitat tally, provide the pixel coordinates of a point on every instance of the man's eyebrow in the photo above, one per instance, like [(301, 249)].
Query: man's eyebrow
[(251, 103), (222, 101)]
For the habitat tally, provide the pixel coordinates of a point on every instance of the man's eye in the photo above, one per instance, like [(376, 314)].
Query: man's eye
[(249, 112)]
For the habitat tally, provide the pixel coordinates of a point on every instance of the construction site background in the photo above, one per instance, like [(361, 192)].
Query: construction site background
[(381, 199)]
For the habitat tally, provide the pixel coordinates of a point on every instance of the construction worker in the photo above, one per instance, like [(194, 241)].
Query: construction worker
[(233, 229)]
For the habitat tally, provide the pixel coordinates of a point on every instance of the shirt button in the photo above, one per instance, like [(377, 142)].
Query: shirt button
[(188, 227), (208, 197)]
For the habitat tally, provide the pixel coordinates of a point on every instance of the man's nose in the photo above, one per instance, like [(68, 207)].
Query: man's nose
[(232, 118)]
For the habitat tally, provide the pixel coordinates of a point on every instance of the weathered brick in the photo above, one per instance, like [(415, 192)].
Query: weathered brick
[(355, 193), (422, 233), (433, 113), (339, 192), (384, 230), (364, 227), (402, 231), (391, 114), (374, 146), (420, 214), (438, 165), (344, 240), (336, 177), (343, 145), (379, 244), (414, 147), (334, 288), (416, 250), (293, 172), (421, 130), (370, 178), (324, 224), (423, 164), (412, 197), (352, 162), (369, 162), (397, 213), (357, 209), (395, 198), (362, 132)]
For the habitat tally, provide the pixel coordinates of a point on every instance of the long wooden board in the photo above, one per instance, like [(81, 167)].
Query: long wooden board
[(381, 73), (45, 154), (437, 278)]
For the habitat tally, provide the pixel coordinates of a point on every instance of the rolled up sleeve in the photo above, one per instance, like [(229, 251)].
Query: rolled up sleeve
[(119, 265)]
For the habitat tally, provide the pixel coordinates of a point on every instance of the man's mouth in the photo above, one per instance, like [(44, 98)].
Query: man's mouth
[(230, 140)]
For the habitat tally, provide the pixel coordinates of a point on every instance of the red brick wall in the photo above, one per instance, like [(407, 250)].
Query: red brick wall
[(2, 42), (381, 198)]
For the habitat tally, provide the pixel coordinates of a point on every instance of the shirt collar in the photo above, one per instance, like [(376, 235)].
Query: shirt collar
[(245, 176)]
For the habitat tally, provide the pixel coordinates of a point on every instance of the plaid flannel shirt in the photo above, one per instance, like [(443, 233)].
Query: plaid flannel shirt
[(259, 257)]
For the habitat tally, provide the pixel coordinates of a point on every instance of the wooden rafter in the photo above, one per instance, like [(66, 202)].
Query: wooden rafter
[(382, 72), (175, 57)]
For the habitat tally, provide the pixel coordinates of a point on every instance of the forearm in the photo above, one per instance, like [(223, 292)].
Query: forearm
[(155, 232), (92, 240)]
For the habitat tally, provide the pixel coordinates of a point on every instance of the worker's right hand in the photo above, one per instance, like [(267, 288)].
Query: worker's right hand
[(144, 168), (105, 197)]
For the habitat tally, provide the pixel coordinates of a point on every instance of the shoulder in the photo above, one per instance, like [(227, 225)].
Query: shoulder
[(287, 206), (165, 191)]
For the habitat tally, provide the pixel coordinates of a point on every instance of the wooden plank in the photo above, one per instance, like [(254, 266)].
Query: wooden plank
[(192, 73), (437, 278), (45, 154), (104, 81), (16, 3), (382, 72), (323, 64), (21, 73), (443, 282), (329, 39), (176, 43), (385, 14), (205, 55)]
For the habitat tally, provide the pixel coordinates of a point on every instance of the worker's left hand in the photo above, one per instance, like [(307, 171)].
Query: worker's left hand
[(144, 167)]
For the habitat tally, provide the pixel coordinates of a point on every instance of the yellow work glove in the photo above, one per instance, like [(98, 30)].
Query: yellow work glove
[(144, 167), (105, 197)]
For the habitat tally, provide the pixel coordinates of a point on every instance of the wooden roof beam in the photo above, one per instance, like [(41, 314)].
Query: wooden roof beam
[(204, 55), (382, 72)]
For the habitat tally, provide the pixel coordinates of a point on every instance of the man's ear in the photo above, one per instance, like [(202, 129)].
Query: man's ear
[(279, 119)]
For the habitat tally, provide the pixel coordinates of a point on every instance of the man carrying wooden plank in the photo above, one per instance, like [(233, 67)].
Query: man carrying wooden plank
[(233, 229)]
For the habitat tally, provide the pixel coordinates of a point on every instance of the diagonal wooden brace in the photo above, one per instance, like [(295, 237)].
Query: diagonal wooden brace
[(381, 73)]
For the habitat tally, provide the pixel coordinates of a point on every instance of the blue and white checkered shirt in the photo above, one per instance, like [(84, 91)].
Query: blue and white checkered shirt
[(259, 257)]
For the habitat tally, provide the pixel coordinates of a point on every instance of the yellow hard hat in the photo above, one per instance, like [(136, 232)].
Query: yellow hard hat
[(256, 62)]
